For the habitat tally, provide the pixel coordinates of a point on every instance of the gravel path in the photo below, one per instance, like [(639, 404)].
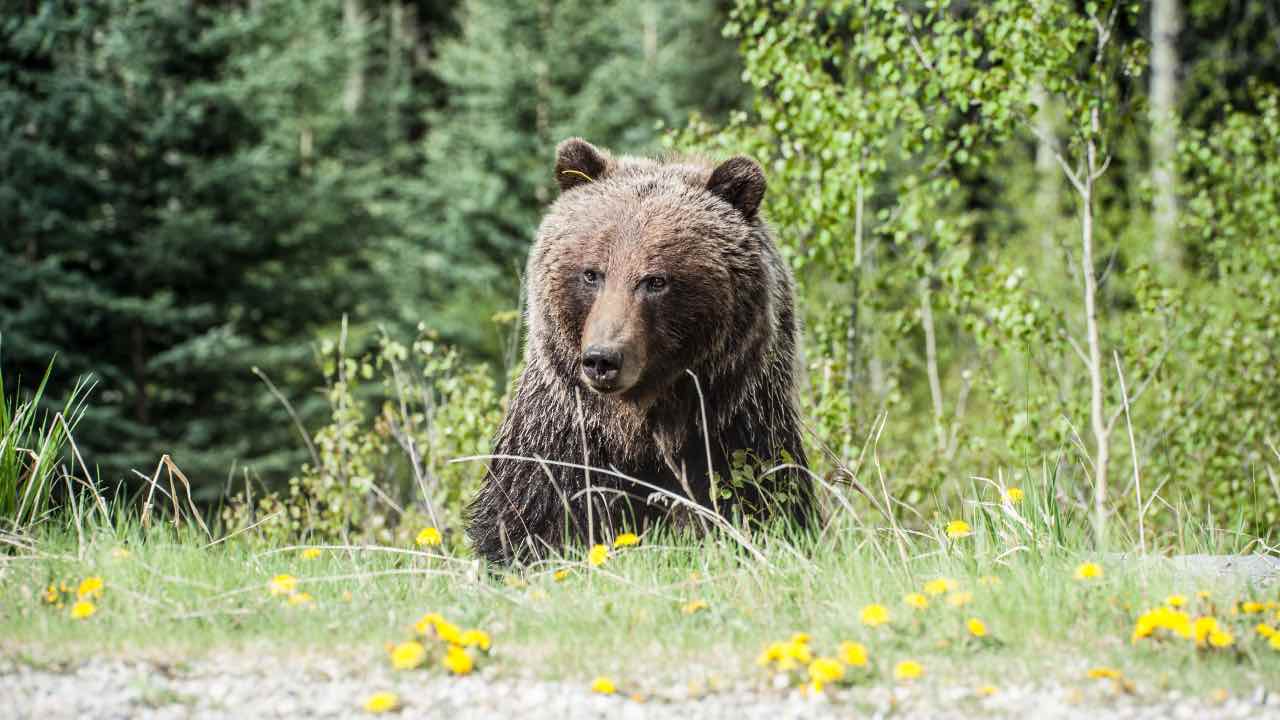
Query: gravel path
[(257, 687)]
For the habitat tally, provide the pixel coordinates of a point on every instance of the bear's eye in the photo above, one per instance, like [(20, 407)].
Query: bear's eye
[(590, 277), (655, 284)]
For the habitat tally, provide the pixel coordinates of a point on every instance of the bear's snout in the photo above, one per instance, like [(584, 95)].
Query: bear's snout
[(602, 367)]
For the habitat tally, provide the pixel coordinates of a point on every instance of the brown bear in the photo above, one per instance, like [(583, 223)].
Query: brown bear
[(645, 275)]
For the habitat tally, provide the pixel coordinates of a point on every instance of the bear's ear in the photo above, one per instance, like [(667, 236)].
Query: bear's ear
[(740, 182), (578, 162)]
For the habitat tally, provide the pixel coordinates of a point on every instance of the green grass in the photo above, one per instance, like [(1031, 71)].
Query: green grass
[(174, 598)]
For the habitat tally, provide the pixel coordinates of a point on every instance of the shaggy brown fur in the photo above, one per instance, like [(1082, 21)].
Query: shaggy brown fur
[(653, 269)]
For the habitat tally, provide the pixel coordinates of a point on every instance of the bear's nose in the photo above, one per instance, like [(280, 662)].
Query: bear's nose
[(601, 364)]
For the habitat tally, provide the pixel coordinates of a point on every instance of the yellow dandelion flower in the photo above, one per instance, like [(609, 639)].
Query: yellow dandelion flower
[(1014, 494), (977, 628), (427, 623), (1104, 673), (989, 580), (958, 529), (916, 600), (959, 599), (825, 670), (986, 691), (802, 638), (381, 702), (626, 540), (90, 587), (448, 632), (560, 575), (1176, 601), (1265, 630), (875, 615), (853, 654), (1251, 607), (428, 537), (1221, 639), (475, 638), (1203, 594), (408, 655), (597, 556), (120, 553), (301, 599), (603, 686), (1274, 641), (908, 670), (797, 651), (283, 585), (772, 653), (1088, 571), (51, 595), (1202, 628), (83, 609), (311, 553), (939, 586), (693, 606), (457, 661)]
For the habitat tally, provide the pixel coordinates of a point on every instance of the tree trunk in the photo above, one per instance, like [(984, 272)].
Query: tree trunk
[(1165, 24), (1101, 432), (353, 29)]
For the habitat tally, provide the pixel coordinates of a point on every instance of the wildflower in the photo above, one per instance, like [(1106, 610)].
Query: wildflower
[(82, 609), (381, 702), (939, 586), (283, 585), (560, 575), (771, 654), (457, 661), (408, 655), (854, 654), (958, 529), (1202, 628), (428, 537), (825, 670), (603, 686), (1274, 641), (989, 580), (626, 540), (597, 556), (986, 690), (977, 628), (801, 638), (428, 622), (51, 595), (786, 655), (475, 638), (1265, 630), (301, 599), (875, 615), (90, 587), (908, 670), (448, 632), (1203, 594), (1014, 495), (120, 553), (1088, 571), (311, 553), (1104, 673), (693, 606), (1163, 618), (916, 600), (959, 599), (1251, 607), (1176, 601), (1221, 639)]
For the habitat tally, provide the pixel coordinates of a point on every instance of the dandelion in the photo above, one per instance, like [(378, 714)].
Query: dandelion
[(475, 638), (908, 670), (958, 529), (1265, 630), (408, 655), (1221, 639), (875, 615), (1202, 628), (457, 661), (853, 654), (448, 632), (976, 627), (90, 587), (597, 556), (427, 622), (428, 537), (626, 540), (693, 606), (83, 609), (986, 690), (283, 585), (1274, 641), (603, 686), (1104, 673), (560, 575), (1088, 571), (51, 595), (825, 670), (301, 599), (959, 599), (916, 600), (1203, 594), (1176, 601), (310, 553), (1163, 618), (381, 702), (800, 638), (939, 586), (1251, 607), (1014, 495), (773, 652)]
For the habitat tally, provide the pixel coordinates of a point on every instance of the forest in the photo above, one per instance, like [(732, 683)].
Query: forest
[(280, 242)]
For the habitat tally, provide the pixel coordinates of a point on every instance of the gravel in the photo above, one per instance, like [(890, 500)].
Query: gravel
[(232, 686)]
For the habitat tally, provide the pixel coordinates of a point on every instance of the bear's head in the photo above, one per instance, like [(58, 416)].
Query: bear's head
[(644, 269)]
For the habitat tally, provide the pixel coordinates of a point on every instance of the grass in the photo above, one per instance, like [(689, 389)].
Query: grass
[(171, 595)]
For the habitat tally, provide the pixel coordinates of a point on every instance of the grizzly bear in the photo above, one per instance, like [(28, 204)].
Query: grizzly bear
[(661, 337)]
